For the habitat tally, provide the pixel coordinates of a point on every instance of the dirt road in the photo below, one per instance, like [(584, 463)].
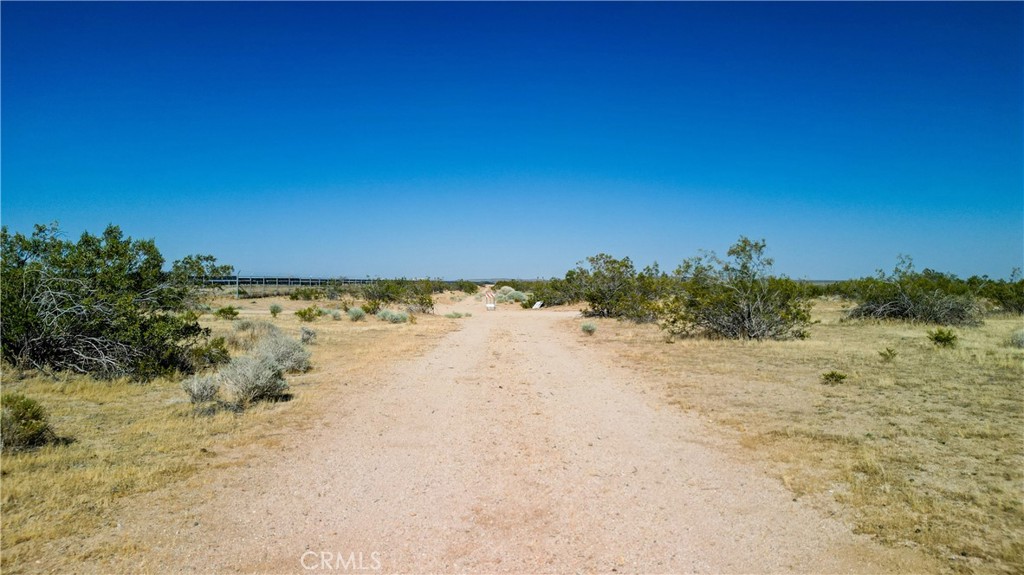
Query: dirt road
[(510, 447)]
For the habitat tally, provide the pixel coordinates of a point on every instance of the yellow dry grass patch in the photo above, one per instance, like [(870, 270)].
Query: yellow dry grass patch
[(129, 438), (925, 449)]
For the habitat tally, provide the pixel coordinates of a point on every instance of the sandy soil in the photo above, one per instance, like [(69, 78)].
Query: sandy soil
[(510, 447)]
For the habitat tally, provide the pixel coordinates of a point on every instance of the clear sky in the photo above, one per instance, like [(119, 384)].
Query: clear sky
[(515, 139)]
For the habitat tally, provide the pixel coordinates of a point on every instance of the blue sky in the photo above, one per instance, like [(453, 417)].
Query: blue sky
[(515, 139)]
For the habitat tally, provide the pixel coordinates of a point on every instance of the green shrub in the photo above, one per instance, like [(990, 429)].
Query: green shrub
[(227, 312), (206, 355), (103, 305), (928, 296), (588, 328), (23, 423), (888, 354), (307, 294), (735, 299), (1008, 296), (943, 337), (356, 313), (307, 336), (833, 377), (274, 310), (309, 313), (453, 315), (466, 287), (613, 288), (335, 314)]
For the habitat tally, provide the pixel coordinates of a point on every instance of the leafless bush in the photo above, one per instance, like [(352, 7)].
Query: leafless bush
[(308, 336)]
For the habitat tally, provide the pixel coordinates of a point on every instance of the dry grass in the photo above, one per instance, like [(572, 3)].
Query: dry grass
[(130, 438), (923, 449)]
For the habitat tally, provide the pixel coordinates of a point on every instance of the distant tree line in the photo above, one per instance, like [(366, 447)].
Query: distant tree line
[(740, 298)]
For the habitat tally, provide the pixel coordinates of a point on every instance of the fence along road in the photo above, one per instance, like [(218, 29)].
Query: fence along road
[(277, 285)]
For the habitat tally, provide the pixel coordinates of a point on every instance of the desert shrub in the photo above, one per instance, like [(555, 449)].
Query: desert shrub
[(287, 353), (392, 316), (202, 356), (307, 336), (588, 328), (274, 310), (453, 315), (247, 333), (511, 296), (307, 294), (888, 354), (309, 314), (335, 314), (1017, 339), (736, 299), (942, 337), (559, 291), (466, 287), (613, 288), (1007, 296), (23, 423), (420, 302), (103, 305), (356, 313), (201, 388), (252, 378), (928, 296), (226, 312), (417, 296), (833, 377)]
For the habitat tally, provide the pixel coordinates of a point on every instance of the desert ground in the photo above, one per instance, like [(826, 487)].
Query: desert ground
[(510, 441)]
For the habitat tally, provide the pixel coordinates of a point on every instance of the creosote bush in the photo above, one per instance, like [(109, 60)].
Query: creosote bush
[(275, 309), (928, 297), (226, 312), (23, 423), (736, 299), (102, 305), (309, 314)]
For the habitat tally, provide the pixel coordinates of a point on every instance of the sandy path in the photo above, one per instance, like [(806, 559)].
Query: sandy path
[(508, 448)]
